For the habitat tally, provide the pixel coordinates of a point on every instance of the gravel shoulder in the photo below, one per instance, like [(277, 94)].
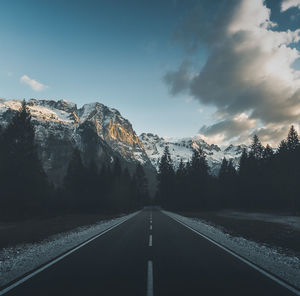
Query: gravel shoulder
[(26, 253), (254, 240)]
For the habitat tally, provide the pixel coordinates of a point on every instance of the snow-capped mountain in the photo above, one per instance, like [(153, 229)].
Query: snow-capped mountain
[(101, 133), (183, 149)]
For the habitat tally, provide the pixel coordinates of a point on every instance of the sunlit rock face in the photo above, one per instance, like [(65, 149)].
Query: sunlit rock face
[(101, 134)]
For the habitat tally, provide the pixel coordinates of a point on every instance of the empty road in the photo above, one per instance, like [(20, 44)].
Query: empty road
[(150, 254)]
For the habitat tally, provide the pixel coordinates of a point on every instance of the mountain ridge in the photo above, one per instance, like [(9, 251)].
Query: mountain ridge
[(99, 132), (182, 149), (103, 134)]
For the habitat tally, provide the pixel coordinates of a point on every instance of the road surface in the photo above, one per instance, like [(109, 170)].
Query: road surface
[(150, 254)]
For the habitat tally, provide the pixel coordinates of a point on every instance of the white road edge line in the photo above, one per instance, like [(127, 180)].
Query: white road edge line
[(264, 272), (150, 279), (150, 227), (150, 240), (32, 274)]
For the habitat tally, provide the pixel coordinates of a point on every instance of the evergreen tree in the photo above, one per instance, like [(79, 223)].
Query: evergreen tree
[(141, 183), (166, 179), (24, 181), (180, 186), (126, 201), (117, 169), (199, 167), (115, 194), (231, 171), (198, 179), (181, 171), (223, 170), (268, 153), (106, 183), (256, 148), (92, 188), (293, 171), (292, 141), (282, 148), (244, 174), (227, 183), (243, 163), (75, 191)]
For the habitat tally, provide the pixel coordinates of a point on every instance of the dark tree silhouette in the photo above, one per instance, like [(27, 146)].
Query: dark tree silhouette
[(74, 182), (141, 183), (292, 141), (256, 148), (24, 184), (166, 176)]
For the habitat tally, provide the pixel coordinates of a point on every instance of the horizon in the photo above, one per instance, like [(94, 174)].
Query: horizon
[(174, 139)]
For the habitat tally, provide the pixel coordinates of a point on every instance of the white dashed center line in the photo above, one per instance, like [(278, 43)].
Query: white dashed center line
[(150, 240), (150, 279)]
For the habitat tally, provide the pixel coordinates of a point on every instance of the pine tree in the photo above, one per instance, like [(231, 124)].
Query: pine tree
[(223, 170), (292, 141), (198, 179), (24, 181), (93, 192), (243, 163), (282, 148), (256, 148), (106, 183), (117, 169), (141, 183), (227, 183), (292, 162), (126, 196), (180, 186), (181, 171), (268, 153), (75, 191), (199, 167), (166, 179)]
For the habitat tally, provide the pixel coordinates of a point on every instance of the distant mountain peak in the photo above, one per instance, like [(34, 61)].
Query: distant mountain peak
[(182, 149)]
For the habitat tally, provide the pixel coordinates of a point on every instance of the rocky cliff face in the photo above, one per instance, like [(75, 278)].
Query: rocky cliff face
[(101, 133)]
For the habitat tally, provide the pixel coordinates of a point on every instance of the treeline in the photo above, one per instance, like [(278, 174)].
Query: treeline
[(25, 189), (264, 180)]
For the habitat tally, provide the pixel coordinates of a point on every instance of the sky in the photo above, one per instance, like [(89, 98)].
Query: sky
[(223, 69)]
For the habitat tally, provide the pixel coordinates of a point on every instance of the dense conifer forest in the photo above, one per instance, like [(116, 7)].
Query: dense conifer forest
[(266, 179), (26, 190)]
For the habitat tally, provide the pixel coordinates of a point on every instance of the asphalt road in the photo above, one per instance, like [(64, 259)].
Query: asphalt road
[(145, 256)]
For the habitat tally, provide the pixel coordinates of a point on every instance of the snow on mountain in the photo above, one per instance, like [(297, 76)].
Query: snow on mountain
[(183, 149), (100, 132)]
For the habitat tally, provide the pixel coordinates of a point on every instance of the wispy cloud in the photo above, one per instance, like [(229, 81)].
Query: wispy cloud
[(287, 4), (34, 84)]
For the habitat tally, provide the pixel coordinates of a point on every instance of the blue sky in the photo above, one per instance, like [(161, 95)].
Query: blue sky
[(115, 52)]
